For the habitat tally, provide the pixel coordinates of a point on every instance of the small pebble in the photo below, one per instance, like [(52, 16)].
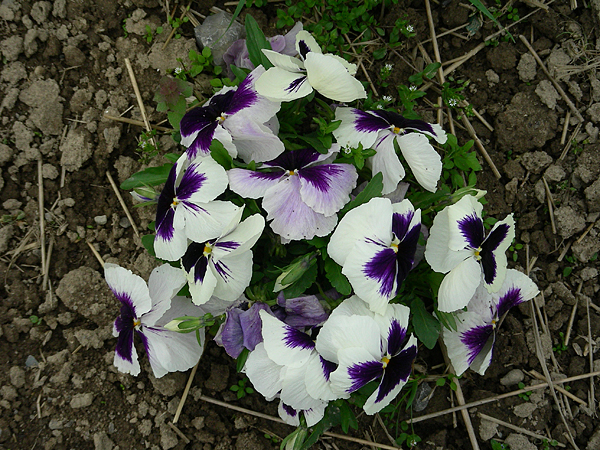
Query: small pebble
[(100, 220), (124, 222), (512, 378), (31, 362)]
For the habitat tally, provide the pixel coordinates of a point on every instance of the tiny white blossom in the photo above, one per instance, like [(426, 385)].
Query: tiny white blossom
[(409, 28), (389, 66), (388, 98), (379, 106), (412, 88), (452, 102), (177, 70)]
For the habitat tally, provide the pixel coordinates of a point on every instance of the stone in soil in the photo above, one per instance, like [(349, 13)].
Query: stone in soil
[(514, 377), (568, 221)]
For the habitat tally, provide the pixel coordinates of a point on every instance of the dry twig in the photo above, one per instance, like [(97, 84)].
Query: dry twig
[(138, 96), (42, 219), (122, 202), (516, 428), (186, 391), (479, 145)]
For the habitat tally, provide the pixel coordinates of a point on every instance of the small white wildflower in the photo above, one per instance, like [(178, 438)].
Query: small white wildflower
[(388, 98), (409, 28), (389, 66), (379, 106), (177, 70), (412, 88), (347, 149), (452, 102)]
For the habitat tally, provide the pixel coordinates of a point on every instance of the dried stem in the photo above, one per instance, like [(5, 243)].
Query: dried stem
[(186, 391), (136, 122), (541, 377), (122, 202), (42, 219), (96, 254), (550, 205), (479, 145), (138, 96), (516, 428)]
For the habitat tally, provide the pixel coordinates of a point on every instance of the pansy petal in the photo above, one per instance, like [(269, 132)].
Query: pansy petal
[(264, 374), (348, 331), (423, 160), (285, 62), (164, 283), (326, 188), (351, 68), (126, 358), (128, 288), (483, 360), (438, 254), (372, 271), (241, 239), (291, 218), (253, 140), (283, 86), (207, 220), (230, 335), (465, 224), (169, 243), (252, 184), (372, 221), (203, 181), (293, 389), (251, 325), (202, 282), (285, 345), (197, 132), (467, 342), (317, 376), (438, 133), (357, 367), (394, 378), (386, 161), (331, 79), (233, 274), (357, 127), (315, 414), (459, 285), (305, 43), (517, 288), (493, 254), (288, 414)]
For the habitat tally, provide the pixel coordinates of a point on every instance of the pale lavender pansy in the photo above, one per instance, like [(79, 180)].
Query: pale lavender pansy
[(237, 117), (472, 344), (375, 243), (223, 266), (458, 246), (187, 208), (306, 311), (237, 54), (368, 347), (293, 78), (145, 309), (378, 130), (301, 194)]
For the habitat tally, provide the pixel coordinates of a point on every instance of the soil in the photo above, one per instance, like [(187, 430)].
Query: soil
[(63, 68)]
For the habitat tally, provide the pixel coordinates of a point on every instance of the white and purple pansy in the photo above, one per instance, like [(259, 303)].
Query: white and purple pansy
[(237, 118), (145, 309), (301, 194), (378, 130), (368, 347), (292, 78), (187, 208), (223, 266), (458, 246), (375, 243), (472, 344)]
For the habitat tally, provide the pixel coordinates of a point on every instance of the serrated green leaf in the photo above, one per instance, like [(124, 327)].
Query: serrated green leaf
[(427, 328), (371, 190), (333, 272), (152, 176)]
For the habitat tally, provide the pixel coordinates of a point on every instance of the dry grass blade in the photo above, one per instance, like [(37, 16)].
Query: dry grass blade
[(42, 218), (186, 391), (516, 428), (570, 142), (541, 377), (479, 145), (122, 202), (550, 205), (96, 254), (138, 96), (136, 122), (592, 396)]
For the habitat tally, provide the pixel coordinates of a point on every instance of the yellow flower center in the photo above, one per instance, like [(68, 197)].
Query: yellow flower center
[(175, 202), (385, 360), (395, 243), (291, 172), (477, 253), (207, 249), (222, 118), (397, 130), (136, 323)]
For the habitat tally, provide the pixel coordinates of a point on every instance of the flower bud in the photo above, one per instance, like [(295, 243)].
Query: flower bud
[(294, 271)]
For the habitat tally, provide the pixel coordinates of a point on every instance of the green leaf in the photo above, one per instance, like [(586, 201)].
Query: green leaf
[(307, 280), (448, 320), (220, 154), (380, 53), (348, 419), (240, 74), (371, 190), (481, 7), (148, 243), (172, 157), (256, 41), (152, 176), (241, 359), (333, 272), (427, 328)]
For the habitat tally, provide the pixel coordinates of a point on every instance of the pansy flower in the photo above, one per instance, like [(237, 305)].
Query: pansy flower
[(375, 243), (301, 194), (378, 130), (223, 267), (187, 207), (458, 246), (236, 117), (145, 309), (293, 78), (368, 347), (472, 344)]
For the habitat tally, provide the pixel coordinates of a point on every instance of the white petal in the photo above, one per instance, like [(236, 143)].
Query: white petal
[(458, 352), (386, 161), (326, 188), (164, 283), (342, 383), (315, 414), (316, 384), (440, 134), (224, 137), (423, 160), (500, 253), (293, 389), (209, 220), (285, 62), (290, 419), (459, 285), (342, 332), (252, 184), (233, 274), (309, 40), (125, 366), (205, 181), (372, 220), (351, 68), (171, 249), (240, 239), (347, 134), (281, 342), (283, 86), (263, 373), (437, 252), (331, 79), (201, 291), (253, 140), (517, 280), (466, 207), (123, 281)]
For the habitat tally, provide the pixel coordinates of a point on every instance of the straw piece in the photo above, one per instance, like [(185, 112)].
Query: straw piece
[(136, 122), (560, 90), (585, 233), (48, 256), (541, 377), (479, 145), (42, 218), (96, 254), (185, 393), (499, 397), (592, 396), (138, 96), (563, 137), (179, 433), (570, 142), (550, 205), (122, 202), (516, 428)]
